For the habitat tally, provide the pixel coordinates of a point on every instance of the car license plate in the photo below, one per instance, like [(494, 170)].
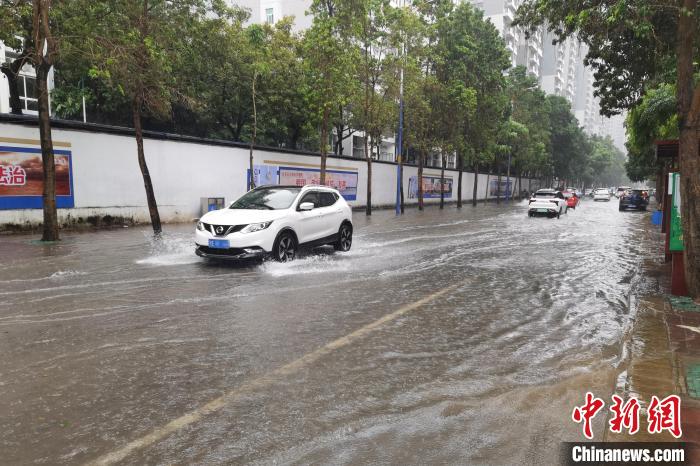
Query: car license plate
[(219, 244), (542, 210)]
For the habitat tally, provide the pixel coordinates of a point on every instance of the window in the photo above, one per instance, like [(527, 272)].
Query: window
[(311, 197), (267, 199), (358, 147), (327, 199), (270, 15), (27, 92), (10, 56)]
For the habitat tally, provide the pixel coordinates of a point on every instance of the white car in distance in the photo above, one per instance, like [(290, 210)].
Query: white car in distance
[(547, 202), (601, 194), (276, 221)]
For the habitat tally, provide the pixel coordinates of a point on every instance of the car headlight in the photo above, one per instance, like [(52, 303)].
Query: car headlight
[(253, 227), (200, 226)]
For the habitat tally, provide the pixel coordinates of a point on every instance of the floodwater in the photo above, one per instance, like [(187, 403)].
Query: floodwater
[(442, 337)]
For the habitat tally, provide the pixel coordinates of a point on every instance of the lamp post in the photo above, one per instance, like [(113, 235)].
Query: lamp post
[(399, 133)]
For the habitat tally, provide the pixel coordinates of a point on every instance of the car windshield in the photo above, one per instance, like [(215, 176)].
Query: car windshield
[(267, 199)]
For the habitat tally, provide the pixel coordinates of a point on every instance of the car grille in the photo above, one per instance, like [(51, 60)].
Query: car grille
[(225, 229), (221, 252)]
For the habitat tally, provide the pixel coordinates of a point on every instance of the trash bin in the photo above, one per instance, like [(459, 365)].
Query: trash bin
[(211, 203), (657, 217)]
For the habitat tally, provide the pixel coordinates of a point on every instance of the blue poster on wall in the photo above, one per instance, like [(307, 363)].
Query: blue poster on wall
[(432, 186), (22, 178)]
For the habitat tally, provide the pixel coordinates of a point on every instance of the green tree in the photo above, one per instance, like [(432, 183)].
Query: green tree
[(134, 47), (569, 146), (329, 59), (35, 28), (653, 118), (376, 73), (529, 107), (606, 162)]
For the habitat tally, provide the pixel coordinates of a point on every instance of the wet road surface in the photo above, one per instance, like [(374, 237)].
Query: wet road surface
[(442, 337)]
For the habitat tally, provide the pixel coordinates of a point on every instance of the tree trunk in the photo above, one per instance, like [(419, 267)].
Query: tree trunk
[(520, 184), (442, 181), (251, 177), (13, 82), (498, 188), (420, 181), (150, 196), (688, 96), (476, 184), (690, 207), (324, 142), (488, 178), (460, 168), (401, 178), (509, 184), (50, 232), (368, 156)]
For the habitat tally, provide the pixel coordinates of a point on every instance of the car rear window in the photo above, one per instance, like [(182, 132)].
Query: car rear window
[(544, 194)]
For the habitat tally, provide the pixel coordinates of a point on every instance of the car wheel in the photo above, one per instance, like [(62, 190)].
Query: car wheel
[(344, 242), (620, 208), (285, 247)]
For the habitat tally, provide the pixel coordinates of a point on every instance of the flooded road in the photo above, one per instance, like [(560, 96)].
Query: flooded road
[(443, 337)]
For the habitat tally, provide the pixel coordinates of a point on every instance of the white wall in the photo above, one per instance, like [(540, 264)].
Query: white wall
[(107, 179)]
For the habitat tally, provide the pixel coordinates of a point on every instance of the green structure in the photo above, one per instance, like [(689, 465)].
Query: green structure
[(676, 231)]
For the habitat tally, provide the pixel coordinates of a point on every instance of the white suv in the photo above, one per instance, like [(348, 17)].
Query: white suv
[(276, 221)]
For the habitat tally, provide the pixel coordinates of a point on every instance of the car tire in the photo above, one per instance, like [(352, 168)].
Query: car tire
[(344, 242), (620, 208), (285, 247)]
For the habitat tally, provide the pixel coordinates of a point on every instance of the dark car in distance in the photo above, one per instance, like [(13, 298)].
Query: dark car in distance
[(637, 199)]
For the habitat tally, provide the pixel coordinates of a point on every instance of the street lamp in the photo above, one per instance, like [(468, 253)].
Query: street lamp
[(399, 134)]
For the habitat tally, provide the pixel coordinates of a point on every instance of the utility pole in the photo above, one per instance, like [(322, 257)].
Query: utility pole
[(399, 135)]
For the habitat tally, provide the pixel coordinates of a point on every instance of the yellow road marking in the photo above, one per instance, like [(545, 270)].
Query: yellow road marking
[(688, 327), (34, 142), (261, 382)]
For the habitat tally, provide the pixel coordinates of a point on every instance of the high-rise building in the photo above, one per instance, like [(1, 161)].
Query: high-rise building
[(523, 51), (271, 11), (559, 67)]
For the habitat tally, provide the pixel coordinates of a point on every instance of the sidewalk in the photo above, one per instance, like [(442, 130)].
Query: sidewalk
[(663, 357)]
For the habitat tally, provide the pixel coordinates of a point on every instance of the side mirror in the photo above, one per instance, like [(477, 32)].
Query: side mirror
[(306, 206)]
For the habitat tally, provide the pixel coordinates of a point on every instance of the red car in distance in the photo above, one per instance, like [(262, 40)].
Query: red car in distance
[(572, 199)]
